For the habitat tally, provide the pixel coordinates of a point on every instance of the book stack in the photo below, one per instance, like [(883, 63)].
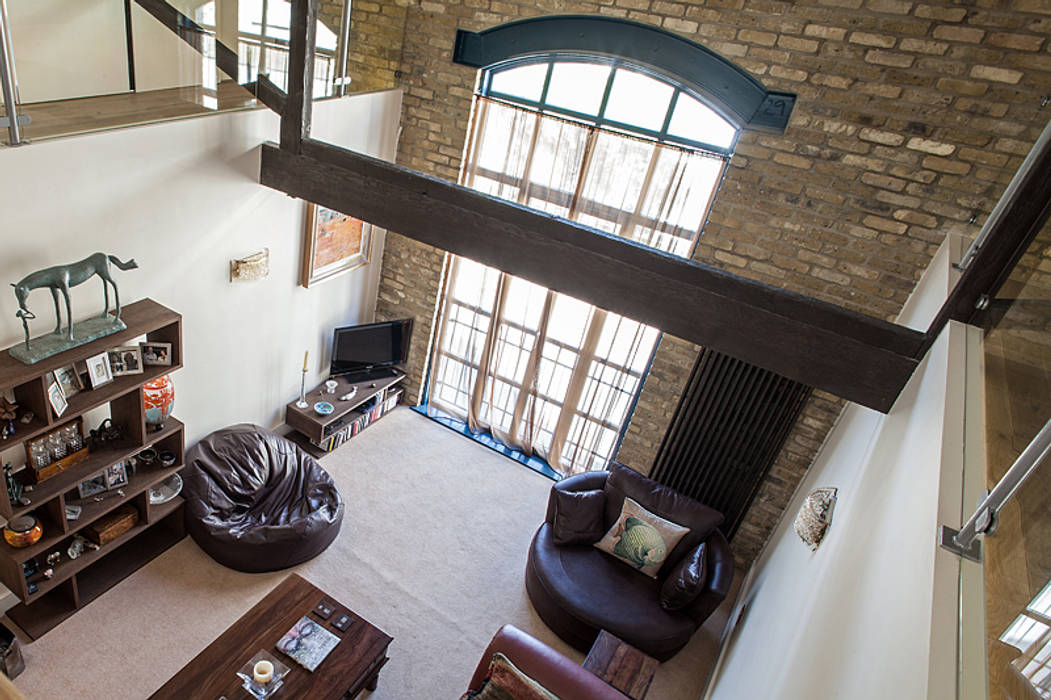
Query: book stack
[(359, 419)]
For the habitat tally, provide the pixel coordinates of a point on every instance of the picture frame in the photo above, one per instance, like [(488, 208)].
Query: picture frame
[(125, 360), (333, 243), (57, 399), (156, 354), (99, 371), (116, 476), (69, 379), (91, 487)]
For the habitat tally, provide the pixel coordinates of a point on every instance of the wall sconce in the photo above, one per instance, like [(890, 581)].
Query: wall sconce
[(254, 267), (815, 516)]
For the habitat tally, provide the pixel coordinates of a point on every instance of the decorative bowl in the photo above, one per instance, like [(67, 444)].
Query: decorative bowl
[(23, 532), (323, 408), (167, 458), (166, 490)]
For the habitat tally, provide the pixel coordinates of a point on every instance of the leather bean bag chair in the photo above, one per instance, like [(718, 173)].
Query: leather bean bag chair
[(257, 502), (578, 590)]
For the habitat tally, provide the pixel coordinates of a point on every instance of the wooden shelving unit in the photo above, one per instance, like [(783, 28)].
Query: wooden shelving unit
[(76, 582)]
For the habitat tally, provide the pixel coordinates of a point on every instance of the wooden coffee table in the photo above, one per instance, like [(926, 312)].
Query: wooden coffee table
[(621, 665), (354, 665)]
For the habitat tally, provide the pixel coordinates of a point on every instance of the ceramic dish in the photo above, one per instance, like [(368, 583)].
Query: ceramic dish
[(166, 490), (323, 408)]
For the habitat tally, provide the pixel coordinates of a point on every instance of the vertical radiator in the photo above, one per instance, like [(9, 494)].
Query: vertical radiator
[(727, 430)]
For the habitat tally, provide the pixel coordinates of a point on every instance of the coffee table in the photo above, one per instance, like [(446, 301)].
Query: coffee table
[(354, 665), (621, 665)]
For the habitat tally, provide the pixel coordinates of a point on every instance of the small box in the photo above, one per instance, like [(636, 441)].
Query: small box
[(110, 527), (36, 476)]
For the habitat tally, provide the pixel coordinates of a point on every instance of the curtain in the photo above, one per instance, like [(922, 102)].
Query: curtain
[(544, 372)]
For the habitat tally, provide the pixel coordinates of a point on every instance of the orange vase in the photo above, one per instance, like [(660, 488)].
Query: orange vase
[(23, 531), (158, 397)]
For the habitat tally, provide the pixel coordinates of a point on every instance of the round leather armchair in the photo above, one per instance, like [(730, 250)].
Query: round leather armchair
[(257, 502)]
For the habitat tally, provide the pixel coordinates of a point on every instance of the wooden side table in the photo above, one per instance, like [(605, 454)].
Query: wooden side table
[(621, 665)]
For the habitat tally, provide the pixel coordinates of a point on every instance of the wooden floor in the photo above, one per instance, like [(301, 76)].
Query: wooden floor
[(1018, 554), (86, 114)]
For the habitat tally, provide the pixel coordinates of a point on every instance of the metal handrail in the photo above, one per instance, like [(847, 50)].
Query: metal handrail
[(7, 80), (964, 541), (342, 50)]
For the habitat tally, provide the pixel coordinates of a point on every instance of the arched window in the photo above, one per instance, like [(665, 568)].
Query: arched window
[(610, 143)]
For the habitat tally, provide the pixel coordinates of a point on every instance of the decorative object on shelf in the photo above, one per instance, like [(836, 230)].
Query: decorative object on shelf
[(23, 532), (815, 516), (57, 398), (116, 476), (323, 408), (30, 567), (69, 379), (108, 432), (53, 558), (158, 396), (333, 243), (308, 643), (99, 372), (156, 354), (147, 456), (250, 269), (342, 622), (302, 403), (76, 548), (73, 511), (8, 413), (167, 458), (96, 484), (14, 489), (112, 525), (330, 386), (27, 418), (166, 490), (125, 360), (262, 675), (51, 454), (59, 279)]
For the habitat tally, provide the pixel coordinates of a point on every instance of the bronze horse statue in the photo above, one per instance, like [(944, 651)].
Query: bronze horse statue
[(61, 277)]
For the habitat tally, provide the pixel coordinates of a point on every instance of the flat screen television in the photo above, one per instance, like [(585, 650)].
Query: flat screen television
[(371, 350)]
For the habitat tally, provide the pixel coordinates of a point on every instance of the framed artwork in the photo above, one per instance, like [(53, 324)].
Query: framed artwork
[(127, 360), (92, 486), (69, 379), (116, 476), (57, 398), (99, 372), (333, 243), (156, 354)]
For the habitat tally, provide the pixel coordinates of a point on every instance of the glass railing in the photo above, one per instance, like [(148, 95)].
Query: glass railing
[(87, 65), (1016, 557)]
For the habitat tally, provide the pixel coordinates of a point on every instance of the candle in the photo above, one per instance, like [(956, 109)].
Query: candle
[(305, 356), (262, 672)]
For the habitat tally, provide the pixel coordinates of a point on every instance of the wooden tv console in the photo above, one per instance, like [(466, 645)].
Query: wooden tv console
[(311, 429)]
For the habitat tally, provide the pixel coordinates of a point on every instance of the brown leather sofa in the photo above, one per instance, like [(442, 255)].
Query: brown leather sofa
[(551, 669), (579, 590)]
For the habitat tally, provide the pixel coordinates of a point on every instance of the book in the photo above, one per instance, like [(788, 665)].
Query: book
[(308, 643)]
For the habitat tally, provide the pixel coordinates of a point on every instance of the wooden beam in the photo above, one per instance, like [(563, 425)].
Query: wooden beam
[(858, 357), (192, 33), (269, 94), (296, 116)]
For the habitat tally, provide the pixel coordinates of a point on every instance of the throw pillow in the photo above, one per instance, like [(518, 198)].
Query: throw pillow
[(578, 516), (641, 539), (686, 581), (505, 682)]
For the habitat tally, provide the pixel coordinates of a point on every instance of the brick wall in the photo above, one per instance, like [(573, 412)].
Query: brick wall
[(911, 119)]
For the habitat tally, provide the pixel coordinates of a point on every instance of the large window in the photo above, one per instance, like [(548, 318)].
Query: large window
[(612, 148)]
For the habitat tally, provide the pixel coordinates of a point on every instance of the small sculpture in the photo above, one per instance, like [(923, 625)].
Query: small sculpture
[(14, 489), (8, 413)]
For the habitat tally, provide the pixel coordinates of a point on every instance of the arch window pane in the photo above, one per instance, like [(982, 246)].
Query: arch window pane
[(638, 100), (696, 121), (578, 87), (526, 82)]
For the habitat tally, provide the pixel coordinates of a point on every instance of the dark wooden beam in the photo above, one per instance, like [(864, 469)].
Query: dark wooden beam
[(268, 93), (1018, 217), (858, 357), (191, 32), (295, 117)]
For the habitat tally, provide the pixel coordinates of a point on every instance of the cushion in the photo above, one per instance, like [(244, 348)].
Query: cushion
[(641, 539), (578, 516), (658, 498), (505, 682), (686, 581)]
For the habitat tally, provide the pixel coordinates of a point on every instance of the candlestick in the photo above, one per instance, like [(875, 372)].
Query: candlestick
[(302, 403), (262, 672)]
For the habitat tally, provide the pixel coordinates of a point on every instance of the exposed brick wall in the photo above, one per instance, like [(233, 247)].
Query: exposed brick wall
[(911, 119)]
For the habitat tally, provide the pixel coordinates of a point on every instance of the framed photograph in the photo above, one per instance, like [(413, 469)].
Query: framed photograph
[(154, 354), (126, 360), (99, 372), (116, 476), (333, 243), (92, 486), (57, 398), (69, 379)]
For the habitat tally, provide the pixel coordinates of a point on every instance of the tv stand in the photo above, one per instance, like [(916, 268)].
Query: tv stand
[(318, 434), (369, 375)]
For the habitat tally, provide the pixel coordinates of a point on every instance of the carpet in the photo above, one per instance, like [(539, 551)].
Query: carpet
[(432, 551)]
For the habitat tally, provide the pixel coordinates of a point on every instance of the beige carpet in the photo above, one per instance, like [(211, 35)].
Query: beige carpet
[(432, 551)]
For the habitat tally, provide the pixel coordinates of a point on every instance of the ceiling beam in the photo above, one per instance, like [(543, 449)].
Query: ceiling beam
[(857, 357)]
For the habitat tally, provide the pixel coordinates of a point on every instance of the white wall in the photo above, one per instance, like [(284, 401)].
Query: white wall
[(871, 613), (183, 199)]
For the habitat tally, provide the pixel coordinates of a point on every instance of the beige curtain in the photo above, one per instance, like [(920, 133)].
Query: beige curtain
[(546, 373)]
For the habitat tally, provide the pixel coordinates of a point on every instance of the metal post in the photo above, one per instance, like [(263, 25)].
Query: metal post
[(965, 541), (7, 81), (261, 64), (340, 80), (10, 55)]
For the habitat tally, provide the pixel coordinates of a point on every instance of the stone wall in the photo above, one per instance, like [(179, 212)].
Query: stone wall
[(911, 119)]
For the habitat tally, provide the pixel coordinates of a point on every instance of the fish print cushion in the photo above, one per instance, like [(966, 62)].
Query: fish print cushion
[(641, 539)]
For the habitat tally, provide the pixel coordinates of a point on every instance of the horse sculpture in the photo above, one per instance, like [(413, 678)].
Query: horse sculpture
[(60, 278)]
